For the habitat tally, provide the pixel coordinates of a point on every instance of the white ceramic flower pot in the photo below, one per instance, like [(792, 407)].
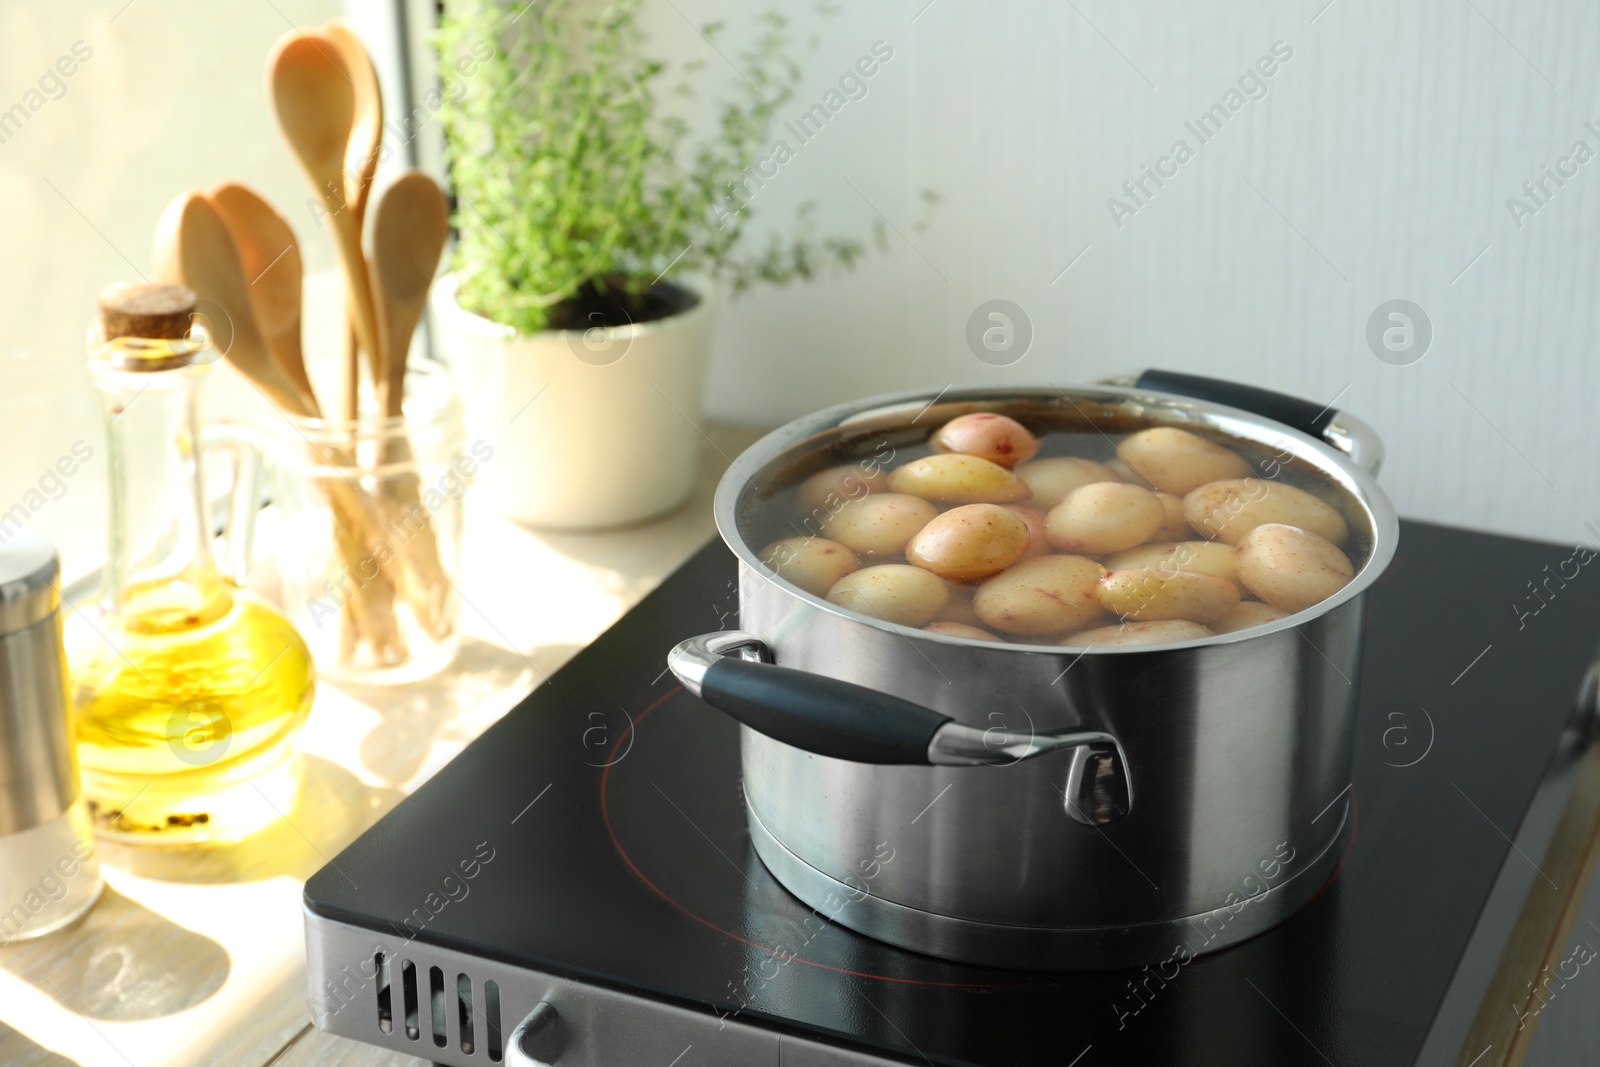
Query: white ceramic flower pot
[(589, 428)]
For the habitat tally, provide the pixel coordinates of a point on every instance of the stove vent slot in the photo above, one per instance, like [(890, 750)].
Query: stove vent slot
[(408, 982), (491, 1012), (477, 1014), (385, 1004), (436, 1007), (464, 1008)]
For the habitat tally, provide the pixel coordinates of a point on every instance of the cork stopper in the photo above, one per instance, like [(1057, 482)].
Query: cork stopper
[(152, 310)]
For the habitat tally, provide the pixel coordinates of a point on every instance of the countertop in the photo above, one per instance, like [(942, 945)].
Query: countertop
[(196, 955)]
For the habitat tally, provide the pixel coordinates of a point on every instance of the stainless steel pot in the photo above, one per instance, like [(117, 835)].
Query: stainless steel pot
[(1027, 805)]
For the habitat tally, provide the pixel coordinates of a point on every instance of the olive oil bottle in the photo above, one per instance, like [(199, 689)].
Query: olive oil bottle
[(187, 690)]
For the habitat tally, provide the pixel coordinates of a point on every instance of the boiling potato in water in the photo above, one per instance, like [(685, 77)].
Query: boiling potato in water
[(1153, 596), (1177, 461), (1249, 613), (880, 524), (893, 592), (961, 629), (1125, 473), (1038, 544), (827, 490), (959, 607), (972, 541), (1044, 595), (812, 563), (995, 438), (1207, 557), (957, 479), (1227, 510), (1104, 517), (1012, 533), (1136, 633), (1050, 480), (1174, 526), (1291, 568)]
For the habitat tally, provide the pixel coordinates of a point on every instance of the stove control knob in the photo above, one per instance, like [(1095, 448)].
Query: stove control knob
[(536, 1042)]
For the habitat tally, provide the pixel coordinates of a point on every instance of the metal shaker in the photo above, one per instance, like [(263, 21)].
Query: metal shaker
[(48, 872)]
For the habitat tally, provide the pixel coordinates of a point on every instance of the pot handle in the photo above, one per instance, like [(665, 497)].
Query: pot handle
[(733, 672), (1338, 428)]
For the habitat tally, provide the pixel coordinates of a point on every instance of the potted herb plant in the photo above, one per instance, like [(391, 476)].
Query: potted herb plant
[(595, 231)]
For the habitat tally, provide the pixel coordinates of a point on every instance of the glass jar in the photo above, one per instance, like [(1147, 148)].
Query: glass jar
[(187, 690), (370, 518)]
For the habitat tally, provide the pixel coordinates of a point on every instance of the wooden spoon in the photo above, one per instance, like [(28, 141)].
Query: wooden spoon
[(360, 164), (271, 259), (408, 234), (194, 248), (314, 95), (366, 132)]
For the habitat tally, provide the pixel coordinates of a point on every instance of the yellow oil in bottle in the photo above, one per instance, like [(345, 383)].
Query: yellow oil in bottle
[(185, 720), (187, 690)]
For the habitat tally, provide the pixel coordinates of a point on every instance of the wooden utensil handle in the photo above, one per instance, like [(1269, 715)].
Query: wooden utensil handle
[(1510, 1011), (359, 288)]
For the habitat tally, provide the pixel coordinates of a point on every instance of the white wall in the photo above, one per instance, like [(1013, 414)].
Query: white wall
[(1390, 141)]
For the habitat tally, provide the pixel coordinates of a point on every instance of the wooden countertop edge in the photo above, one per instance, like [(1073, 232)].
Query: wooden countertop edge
[(1508, 1016)]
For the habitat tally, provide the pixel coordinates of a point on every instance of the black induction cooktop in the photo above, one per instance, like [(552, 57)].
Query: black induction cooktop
[(590, 851)]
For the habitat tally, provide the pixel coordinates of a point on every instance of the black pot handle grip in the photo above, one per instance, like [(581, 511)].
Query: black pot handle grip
[(1302, 415), (819, 714), (733, 672)]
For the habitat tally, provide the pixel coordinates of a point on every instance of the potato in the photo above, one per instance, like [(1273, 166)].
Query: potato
[(827, 490), (1291, 568), (1227, 510), (879, 524), (995, 438), (961, 629), (955, 479), (1174, 526), (1136, 633), (1104, 517), (1151, 595), (959, 607), (1126, 473), (1044, 595), (1177, 461), (972, 541), (812, 563), (1249, 613), (1038, 544), (1206, 557), (893, 592), (1050, 480)]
